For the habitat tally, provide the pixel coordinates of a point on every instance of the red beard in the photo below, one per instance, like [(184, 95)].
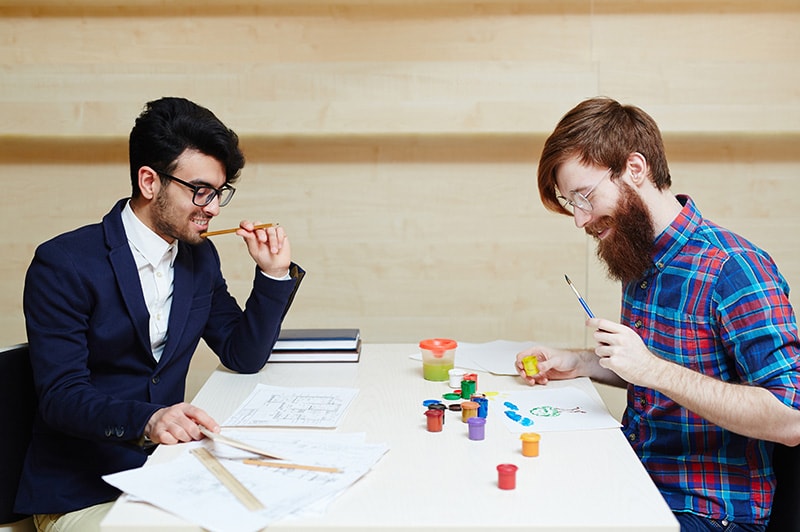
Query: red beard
[(628, 251)]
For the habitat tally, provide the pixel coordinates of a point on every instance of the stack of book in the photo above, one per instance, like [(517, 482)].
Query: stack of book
[(317, 345)]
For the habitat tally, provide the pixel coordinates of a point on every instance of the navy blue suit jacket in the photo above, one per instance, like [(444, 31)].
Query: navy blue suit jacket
[(95, 375)]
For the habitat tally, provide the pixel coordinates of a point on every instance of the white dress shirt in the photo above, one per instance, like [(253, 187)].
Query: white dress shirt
[(154, 260)]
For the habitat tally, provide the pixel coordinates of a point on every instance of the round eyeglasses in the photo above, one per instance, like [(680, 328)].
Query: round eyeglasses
[(204, 194), (579, 200)]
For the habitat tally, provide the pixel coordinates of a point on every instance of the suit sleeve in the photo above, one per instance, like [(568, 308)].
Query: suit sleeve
[(243, 340)]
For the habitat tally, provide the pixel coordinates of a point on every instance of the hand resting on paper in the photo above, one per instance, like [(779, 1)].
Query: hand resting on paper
[(178, 424)]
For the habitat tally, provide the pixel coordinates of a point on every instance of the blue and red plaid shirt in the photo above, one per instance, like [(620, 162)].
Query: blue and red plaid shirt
[(715, 303)]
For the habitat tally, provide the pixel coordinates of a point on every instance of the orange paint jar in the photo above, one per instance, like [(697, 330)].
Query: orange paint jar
[(530, 443)]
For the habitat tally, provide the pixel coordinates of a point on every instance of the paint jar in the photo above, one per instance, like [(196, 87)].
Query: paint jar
[(531, 365), (435, 420), (467, 388), (438, 406), (468, 409), (506, 476), (438, 358), (483, 405), (455, 376), (471, 377), (477, 428), (530, 443)]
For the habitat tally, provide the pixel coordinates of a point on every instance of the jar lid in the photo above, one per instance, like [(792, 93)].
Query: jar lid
[(438, 344), (507, 468), (530, 436)]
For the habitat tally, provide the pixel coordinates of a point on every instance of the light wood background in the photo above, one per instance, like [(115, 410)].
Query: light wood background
[(397, 142)]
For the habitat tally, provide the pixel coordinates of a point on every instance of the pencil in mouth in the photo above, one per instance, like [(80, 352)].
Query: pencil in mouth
[(234, 229)]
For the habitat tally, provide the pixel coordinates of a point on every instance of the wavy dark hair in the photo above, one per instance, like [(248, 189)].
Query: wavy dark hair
[(169, 126)]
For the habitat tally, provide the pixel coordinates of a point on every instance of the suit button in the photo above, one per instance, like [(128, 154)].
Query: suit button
[(155, 380), (109, 432), (119, 432)]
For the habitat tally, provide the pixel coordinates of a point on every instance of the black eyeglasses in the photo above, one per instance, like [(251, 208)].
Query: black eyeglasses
[(204, 194)]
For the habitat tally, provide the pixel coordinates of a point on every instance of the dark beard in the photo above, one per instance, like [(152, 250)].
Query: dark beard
[(628, 251), (163, 220)]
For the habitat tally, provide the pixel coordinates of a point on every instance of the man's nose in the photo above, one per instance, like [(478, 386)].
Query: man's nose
[(212, 209), (581, 218)]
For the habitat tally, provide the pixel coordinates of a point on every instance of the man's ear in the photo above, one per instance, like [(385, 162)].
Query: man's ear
[(637, 168), (149, 182)]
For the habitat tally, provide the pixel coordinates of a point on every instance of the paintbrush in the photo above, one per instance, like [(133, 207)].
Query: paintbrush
[(580, 299)]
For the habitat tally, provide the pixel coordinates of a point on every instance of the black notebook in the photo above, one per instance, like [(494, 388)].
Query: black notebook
[(317, 355), (324, 339), (320, 345)]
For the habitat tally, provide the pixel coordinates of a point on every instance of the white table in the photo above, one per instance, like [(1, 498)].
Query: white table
[(581, 480)]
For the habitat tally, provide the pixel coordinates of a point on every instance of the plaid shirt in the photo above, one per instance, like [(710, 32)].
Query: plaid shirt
[(715, 303)]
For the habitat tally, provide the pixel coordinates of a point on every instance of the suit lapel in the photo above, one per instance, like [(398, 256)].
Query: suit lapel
[(182, 290), (131, 289), (125, 272)]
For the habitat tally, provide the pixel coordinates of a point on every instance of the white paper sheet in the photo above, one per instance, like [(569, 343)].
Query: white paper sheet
[(276, 406), (187, 489), (543, 409)]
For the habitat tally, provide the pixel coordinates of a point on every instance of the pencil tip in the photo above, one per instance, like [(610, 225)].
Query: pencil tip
[(567, 278)]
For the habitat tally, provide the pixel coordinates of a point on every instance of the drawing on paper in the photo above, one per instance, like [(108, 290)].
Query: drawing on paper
[(512, 413), (557, 409), (554, 411), (276, 406)]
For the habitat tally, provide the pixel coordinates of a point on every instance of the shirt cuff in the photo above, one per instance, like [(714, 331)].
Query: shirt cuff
[(286, 277)]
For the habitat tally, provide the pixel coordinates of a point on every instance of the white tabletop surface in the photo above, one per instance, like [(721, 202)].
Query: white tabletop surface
[(581, 480)]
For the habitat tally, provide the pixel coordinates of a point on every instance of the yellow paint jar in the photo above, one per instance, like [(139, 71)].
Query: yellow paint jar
[(531, 365)]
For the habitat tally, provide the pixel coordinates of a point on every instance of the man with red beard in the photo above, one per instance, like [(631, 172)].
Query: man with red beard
[(115, 310), (707, 345)]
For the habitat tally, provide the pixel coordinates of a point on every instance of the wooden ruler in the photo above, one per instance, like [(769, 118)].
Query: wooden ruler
[(236, 443), (238, 489)]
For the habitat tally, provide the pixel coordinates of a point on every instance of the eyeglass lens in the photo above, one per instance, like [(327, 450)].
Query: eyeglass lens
[(205, 195)]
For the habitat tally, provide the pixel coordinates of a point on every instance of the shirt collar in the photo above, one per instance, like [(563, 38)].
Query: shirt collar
[(151, 246), (669, 243)]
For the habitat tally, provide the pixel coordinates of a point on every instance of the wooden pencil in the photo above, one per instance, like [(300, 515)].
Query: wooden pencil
[(234, 229)]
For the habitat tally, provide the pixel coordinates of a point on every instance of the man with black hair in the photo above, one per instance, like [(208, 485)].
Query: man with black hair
[(115, 310)]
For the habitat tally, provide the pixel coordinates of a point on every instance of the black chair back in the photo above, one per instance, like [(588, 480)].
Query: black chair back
[(17, 409), (785, 515)]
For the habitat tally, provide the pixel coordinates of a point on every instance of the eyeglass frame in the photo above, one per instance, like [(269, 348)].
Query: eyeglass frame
[(581, 201), (215, 192)]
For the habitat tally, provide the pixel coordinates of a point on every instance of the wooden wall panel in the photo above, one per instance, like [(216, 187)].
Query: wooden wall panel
[(390, 67), (398, 141)]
